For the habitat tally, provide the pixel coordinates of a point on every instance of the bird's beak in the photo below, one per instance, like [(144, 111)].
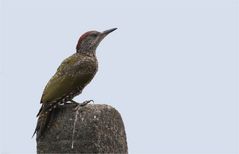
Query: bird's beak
[(106, 32)]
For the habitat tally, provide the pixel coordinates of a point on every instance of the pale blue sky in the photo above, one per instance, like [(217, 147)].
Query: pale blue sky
[(171, 69)]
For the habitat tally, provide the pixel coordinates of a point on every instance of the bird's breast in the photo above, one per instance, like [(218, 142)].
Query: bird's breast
[(88, 65)]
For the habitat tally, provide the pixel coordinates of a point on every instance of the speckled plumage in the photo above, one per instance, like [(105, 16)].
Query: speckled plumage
[(74, 73), (71, 77)]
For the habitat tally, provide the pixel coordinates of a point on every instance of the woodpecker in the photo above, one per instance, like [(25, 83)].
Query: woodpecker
[(71, 77)]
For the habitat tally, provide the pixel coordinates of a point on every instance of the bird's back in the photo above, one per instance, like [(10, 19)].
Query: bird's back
[(74, 73)]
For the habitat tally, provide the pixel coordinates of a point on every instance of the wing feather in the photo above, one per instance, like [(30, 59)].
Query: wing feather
[(72, 73)]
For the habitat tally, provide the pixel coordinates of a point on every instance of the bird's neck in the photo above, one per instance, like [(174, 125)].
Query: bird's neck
[(86, 52)]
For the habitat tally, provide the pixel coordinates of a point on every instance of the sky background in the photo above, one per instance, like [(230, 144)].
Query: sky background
[(170, 69)]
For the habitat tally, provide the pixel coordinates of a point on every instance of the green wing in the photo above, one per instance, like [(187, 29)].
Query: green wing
[(70, 75)]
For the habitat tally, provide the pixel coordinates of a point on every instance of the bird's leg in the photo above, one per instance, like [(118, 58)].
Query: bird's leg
[(81, 104), (72, 101), (86, 102)]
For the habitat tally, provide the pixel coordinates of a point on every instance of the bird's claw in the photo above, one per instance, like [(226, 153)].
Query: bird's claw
[(86, 102), (83, 104)]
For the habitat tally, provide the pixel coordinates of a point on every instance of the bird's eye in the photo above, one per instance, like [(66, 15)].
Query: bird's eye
[(94, 35)]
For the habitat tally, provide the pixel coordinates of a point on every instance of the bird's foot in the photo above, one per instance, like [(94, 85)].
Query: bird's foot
[(74, 102), (79, 105), (86, 102)]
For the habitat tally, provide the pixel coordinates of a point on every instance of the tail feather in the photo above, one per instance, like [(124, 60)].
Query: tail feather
[(44, 116), (39, 111)]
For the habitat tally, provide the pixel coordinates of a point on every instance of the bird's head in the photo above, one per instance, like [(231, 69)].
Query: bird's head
[(89, 41)]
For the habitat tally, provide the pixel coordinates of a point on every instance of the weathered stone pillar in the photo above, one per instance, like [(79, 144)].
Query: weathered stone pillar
[(98, 129)]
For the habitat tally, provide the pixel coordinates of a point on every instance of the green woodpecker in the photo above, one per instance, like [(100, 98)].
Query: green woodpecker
[(74, 73)]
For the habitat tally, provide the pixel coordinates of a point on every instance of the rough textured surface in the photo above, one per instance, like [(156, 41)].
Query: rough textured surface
[(98, 129)]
